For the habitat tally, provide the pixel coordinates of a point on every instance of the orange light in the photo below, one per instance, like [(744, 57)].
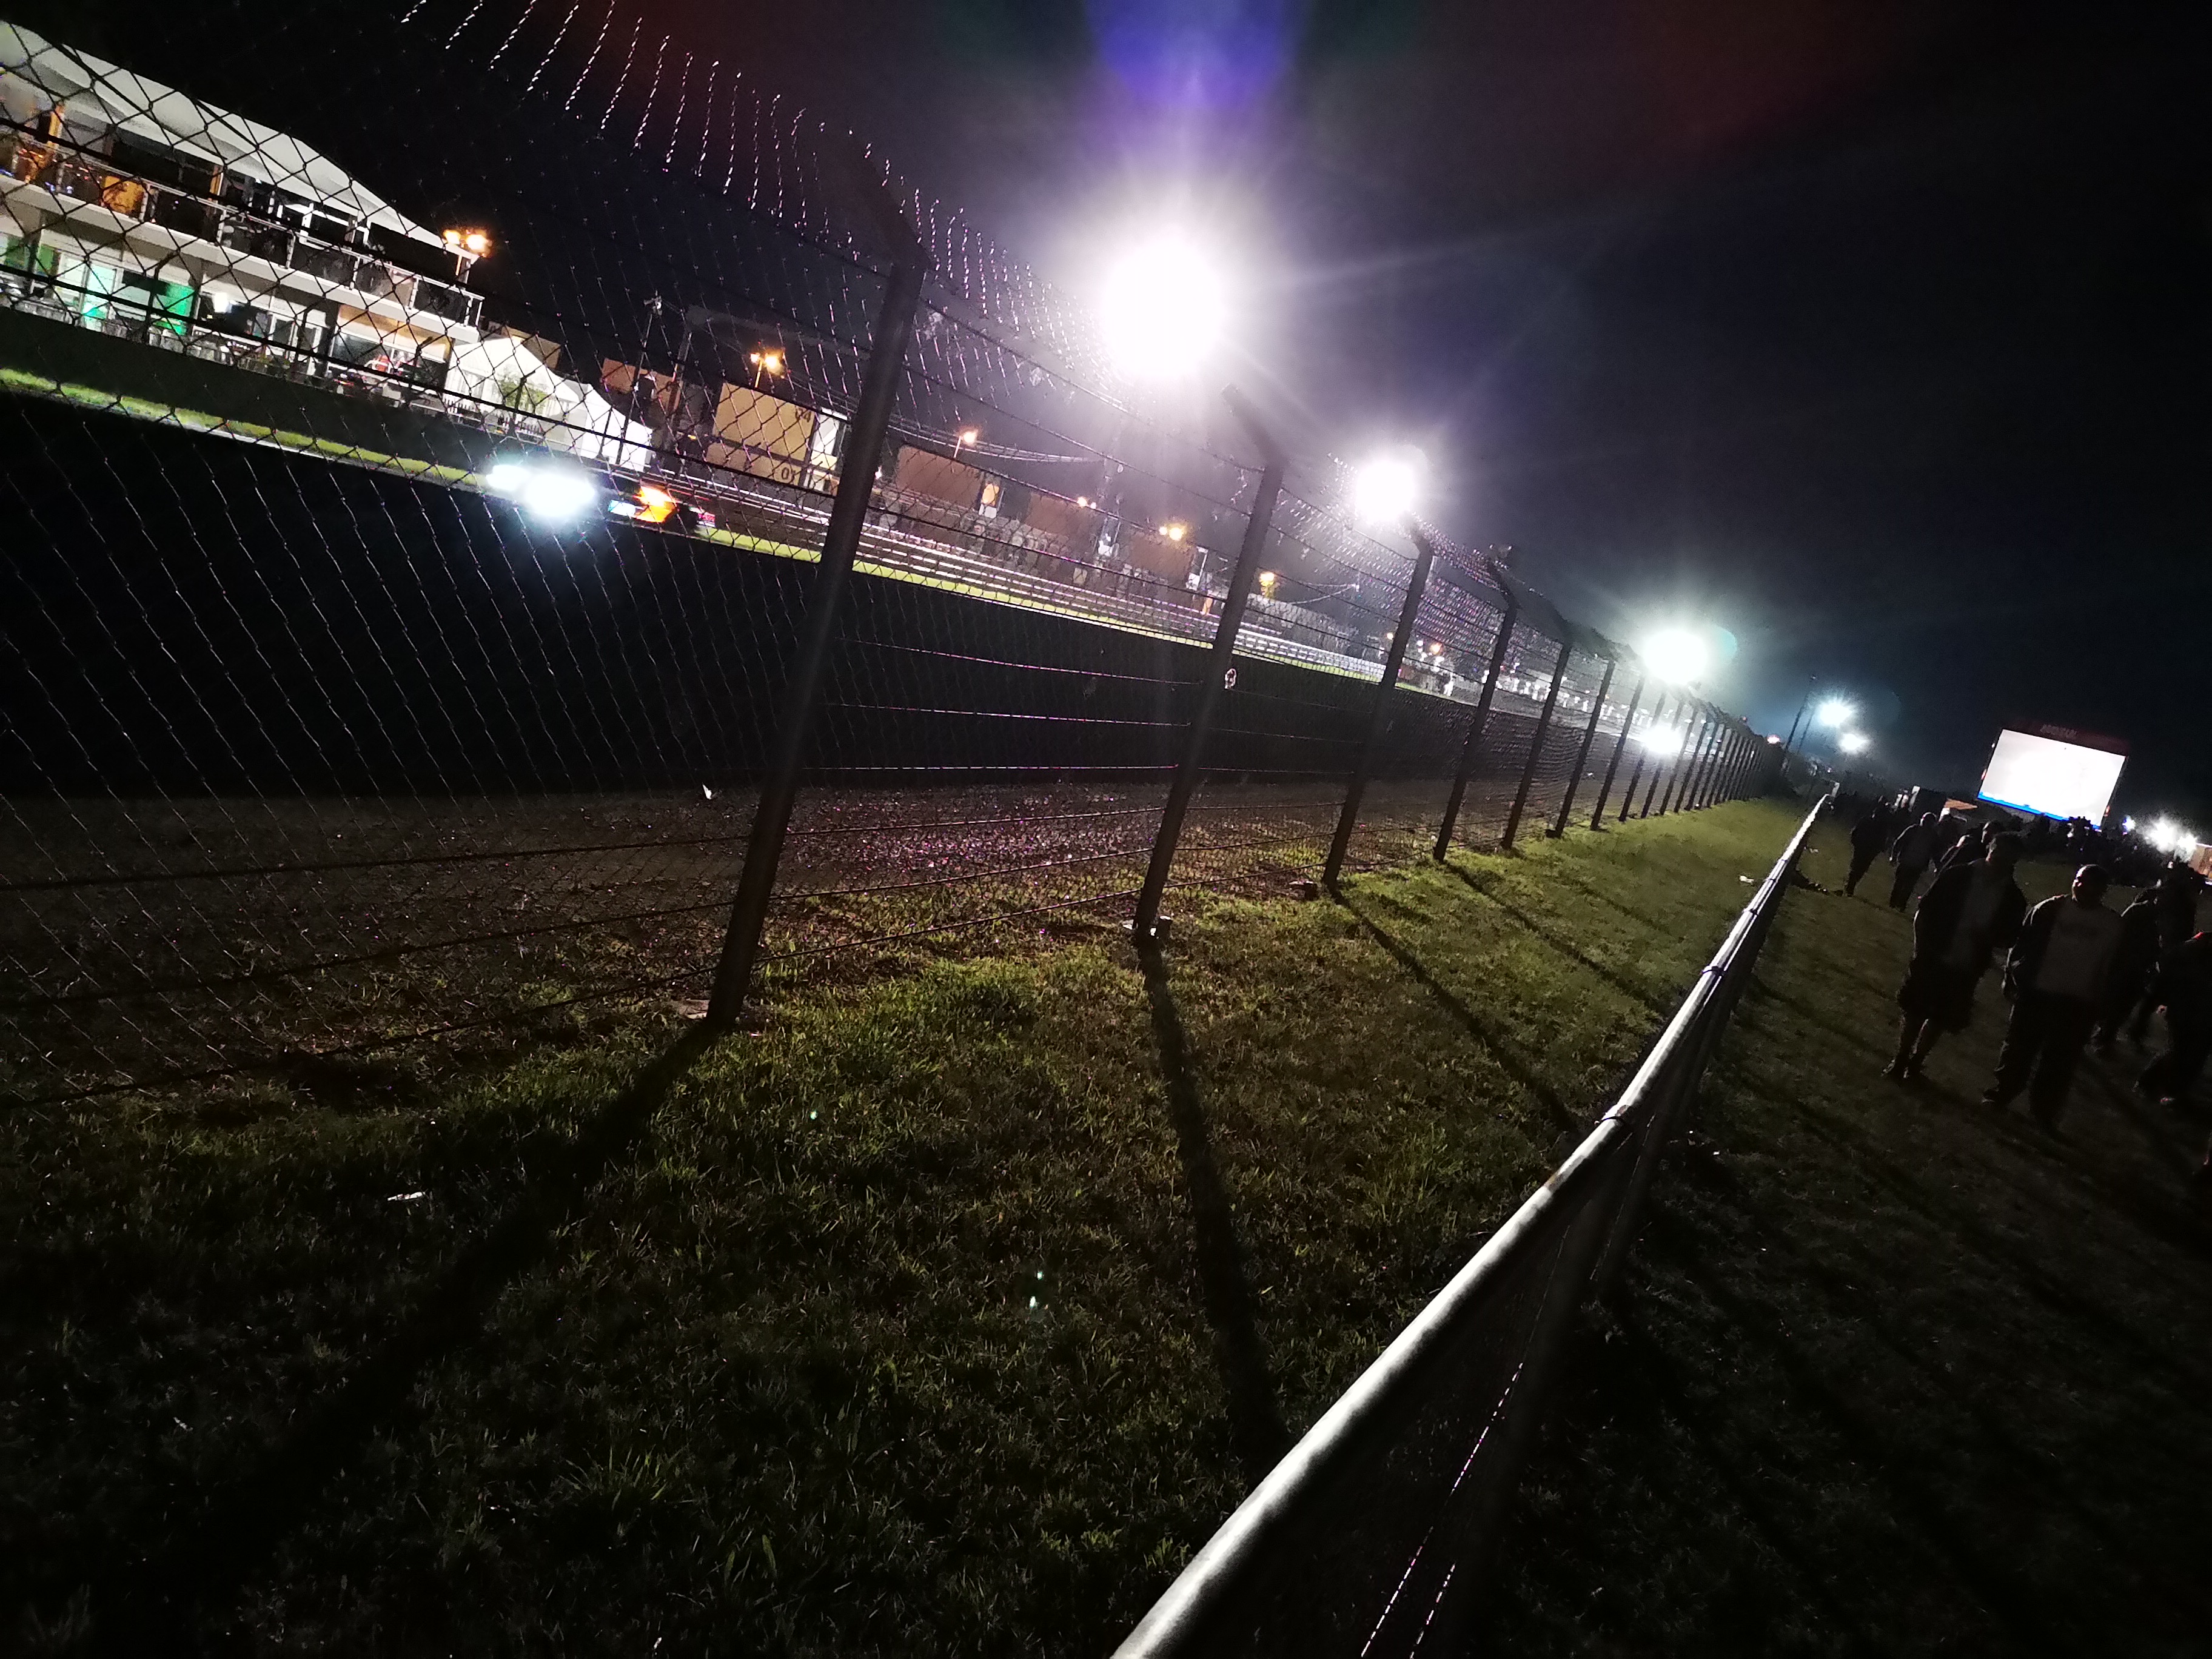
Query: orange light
[(474, 243), (654, 505), (969, 435), (768, 362), (1174, 532)]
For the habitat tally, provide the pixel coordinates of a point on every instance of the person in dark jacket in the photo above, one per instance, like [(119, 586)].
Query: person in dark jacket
[(1968, 849), (2056, 978), (1910, 852), (2174, 909), (1869, 836), (2184, 991), (2133, 965), (1970, 911)]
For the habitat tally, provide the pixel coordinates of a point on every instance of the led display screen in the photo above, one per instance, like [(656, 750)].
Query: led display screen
[(2034, 773)]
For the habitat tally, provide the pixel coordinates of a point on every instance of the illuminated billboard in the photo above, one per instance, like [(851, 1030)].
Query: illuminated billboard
[(2053, 771)]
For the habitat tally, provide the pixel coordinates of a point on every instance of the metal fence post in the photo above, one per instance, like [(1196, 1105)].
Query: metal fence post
[(1408, 615), (1726, 789), (1620, 744), (1716, 768), (1212, 680), (1643, 756), (848, 516), (1693, 740), (1536, 749), (1581, 754), (1475, 728), (1678, 797), (1693, 793), (1682, 707)]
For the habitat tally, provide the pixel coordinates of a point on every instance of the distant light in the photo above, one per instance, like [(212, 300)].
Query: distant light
[(1835, 713), (1385, 489), (2127, 826), (1268, 583), (1174, 532), (552, 494), (1083, 500), (1774, 738), (654, 504), (1162, 307), (968, 435), (474, 243), (1663, 740), (2169, 836), (1677, 655), (768, 361), (1853, 743)]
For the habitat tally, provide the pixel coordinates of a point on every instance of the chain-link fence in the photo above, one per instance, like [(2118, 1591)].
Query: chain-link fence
[(708, 560)]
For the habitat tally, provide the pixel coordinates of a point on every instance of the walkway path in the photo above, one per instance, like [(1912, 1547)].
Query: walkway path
[(1892, 1373)]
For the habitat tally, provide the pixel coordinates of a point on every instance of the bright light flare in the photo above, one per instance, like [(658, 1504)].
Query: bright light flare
[(1664, 740), (2170, 838), (1385, 490), (1163, 307), (1835, 713), (1854, 743), (551, 495), (1678, 655)]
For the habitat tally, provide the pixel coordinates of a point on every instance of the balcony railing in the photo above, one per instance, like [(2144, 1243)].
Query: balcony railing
[(69, 171)]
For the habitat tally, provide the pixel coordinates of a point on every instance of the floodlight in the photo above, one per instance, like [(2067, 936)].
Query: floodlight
[(1677, 655), (1162, 308), (2169, 836), (551, 495), (1664, 740), (1853, 743), (1385, 490), (1835, 713)]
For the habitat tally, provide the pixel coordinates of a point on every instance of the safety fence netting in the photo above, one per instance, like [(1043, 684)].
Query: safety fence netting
[(417, 507)]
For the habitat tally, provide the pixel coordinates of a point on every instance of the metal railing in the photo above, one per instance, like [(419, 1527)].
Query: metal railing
[(1376, 1534)]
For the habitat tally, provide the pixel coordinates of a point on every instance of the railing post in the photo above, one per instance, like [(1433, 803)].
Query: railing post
[(1475, 728), (1725, 789), (1581, 754), (1613, 766), (1213, 681), (1681, 705), (1424, 553), (849, 515), (1536, 749)]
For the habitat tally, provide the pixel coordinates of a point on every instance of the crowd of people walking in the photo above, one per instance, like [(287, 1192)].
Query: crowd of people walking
[(2077, 972)]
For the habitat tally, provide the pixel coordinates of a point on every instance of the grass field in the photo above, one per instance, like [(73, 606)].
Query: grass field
[(943, 1313), (1892, 1373)]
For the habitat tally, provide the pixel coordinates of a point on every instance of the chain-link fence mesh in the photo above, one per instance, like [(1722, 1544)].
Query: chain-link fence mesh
[(400, 614)]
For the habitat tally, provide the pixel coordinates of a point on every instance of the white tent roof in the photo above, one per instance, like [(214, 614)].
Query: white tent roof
[(35, 73)]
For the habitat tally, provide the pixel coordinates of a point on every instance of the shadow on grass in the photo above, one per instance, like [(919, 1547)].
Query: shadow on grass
[(204, 1559), (2029, 1474), (1912, 1191), (1565, 947), (2006, 1597), (1257, 1433), (1481, 1029)]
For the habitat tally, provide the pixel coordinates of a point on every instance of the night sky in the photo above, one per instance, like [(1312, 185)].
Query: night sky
[(1875, 333), (1872, 331)]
